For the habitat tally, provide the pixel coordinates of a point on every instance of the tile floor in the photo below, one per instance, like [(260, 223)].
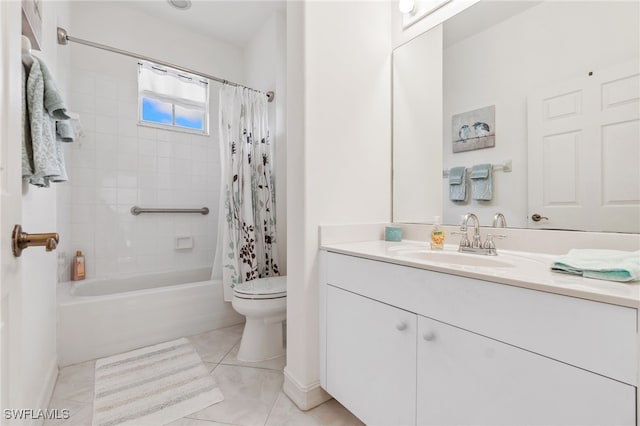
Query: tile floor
[(252, 391)]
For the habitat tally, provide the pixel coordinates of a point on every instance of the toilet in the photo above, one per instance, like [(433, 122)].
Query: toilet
[(264, 303)]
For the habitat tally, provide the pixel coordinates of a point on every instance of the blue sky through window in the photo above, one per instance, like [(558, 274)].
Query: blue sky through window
[(171, 100), (155, 111), (189, 118)]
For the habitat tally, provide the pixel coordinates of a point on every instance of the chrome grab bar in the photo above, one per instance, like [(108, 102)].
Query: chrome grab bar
[(135, 210)]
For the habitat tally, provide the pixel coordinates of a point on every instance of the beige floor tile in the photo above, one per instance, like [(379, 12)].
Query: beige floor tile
[(210, 366), (272, 364), (75, 383), (249, 394), (252, 391), (78, 372), (286, 413), (214, 345), (80, 414)]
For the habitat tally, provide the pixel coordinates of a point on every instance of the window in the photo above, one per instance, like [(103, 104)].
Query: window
[(172, 99)]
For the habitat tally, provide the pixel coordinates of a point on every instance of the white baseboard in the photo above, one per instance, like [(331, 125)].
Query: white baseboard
[(305, 397), (44, 399)]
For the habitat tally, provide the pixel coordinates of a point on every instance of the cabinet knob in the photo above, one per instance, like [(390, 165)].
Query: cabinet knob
[(401, 326), (429, 336)]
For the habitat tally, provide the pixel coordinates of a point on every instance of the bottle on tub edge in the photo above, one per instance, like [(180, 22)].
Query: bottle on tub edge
[(77, 267)]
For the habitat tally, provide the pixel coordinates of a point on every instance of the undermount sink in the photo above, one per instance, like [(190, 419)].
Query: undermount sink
[(455, 258)]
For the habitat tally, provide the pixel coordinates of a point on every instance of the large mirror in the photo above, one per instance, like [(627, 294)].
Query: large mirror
[(532, 107)]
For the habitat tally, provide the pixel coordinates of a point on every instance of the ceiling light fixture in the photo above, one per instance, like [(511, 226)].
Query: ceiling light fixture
[(180, 4), (406, 6)]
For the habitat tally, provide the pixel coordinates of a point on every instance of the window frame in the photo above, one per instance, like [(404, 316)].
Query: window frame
[(173, 127)]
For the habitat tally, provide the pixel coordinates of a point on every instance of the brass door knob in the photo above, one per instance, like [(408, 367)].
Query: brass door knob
[(21, 240), (537, 218)]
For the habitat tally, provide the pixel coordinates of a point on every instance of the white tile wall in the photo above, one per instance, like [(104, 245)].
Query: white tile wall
[(118, 164)]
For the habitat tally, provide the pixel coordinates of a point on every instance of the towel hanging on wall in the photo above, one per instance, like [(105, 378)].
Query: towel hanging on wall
[(43, 156), (458, 183), (482, 182)]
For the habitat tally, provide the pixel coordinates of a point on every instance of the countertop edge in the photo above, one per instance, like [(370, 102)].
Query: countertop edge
[(515, 282)]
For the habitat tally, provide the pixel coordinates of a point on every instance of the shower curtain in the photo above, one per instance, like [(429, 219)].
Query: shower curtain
[(246, 247)]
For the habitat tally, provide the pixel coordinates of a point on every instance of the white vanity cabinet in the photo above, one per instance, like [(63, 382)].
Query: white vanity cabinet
[(402, 345), (464, 378), (371, 358)]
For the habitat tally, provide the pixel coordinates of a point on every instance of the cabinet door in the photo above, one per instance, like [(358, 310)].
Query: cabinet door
[(466, 378), (371, 358)]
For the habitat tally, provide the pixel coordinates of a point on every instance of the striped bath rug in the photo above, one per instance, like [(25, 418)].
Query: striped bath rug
[(152, 386)]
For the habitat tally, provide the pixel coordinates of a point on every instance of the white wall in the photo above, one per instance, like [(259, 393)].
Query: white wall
[(501, 66), (338, 152), (39, 267), (265, 62), (119, 164)]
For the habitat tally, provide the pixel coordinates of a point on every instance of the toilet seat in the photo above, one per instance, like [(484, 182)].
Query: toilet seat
[(262, 288)]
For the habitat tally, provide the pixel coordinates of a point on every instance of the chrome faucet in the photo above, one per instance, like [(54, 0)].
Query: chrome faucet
[(499, 221), (476, 243), (476, 246)]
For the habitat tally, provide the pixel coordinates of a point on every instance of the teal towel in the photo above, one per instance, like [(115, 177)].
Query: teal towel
[(457, 183), (613, 265), (481, 171), (65, 131), (44, 106), (482, 182), (53, 102)]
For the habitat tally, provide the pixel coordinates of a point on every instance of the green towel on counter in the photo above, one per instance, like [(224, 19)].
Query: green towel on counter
[(613, 265)]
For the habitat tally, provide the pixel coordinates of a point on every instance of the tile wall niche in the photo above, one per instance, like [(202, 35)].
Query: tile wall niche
[(118, 164)]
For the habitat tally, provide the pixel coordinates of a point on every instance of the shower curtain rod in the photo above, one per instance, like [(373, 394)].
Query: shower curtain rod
[(64, 38)]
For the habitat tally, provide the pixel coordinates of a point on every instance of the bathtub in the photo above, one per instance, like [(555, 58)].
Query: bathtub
[(102, 317)]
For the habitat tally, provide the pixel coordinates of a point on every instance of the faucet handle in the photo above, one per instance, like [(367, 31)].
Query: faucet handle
[(464, 241), (489, 243)]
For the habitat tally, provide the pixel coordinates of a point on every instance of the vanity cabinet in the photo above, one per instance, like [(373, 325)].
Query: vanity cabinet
[(466, 378), (371, 358), (402, 345)]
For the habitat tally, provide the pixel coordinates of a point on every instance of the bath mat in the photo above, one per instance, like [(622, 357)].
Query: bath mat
[(152, 386)]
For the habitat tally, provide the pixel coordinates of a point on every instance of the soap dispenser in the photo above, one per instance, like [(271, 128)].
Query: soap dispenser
[(77, 267), (437, 236)]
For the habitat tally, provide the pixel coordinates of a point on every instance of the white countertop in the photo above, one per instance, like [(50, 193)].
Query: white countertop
[(528, 270)]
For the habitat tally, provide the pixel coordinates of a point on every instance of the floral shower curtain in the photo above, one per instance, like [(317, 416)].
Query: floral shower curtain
[(247, 224)]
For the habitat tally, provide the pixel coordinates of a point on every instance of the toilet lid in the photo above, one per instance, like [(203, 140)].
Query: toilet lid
[(270, 287)]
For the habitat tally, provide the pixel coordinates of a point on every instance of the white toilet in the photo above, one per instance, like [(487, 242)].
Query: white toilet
[(264, 303)]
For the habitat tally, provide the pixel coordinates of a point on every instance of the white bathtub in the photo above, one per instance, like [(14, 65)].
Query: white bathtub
[(102, 317)]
